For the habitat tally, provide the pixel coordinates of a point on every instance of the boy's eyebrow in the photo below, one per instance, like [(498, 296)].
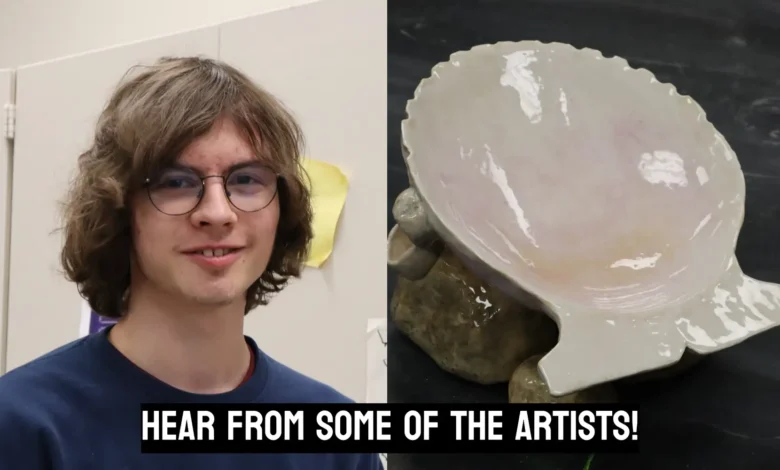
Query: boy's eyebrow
[(235, 166)]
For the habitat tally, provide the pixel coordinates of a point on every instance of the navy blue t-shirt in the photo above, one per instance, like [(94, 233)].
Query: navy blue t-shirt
[(76, 408)]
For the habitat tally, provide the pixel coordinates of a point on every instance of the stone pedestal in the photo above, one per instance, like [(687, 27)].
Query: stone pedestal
[(468, 327)]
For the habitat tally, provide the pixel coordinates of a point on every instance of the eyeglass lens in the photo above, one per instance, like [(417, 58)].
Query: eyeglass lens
[(178, 191)]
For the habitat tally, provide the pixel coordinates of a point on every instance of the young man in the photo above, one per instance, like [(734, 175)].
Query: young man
[(188, 211)]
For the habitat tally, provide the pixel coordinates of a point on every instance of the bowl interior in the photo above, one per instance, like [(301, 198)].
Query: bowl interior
[(583, 180)]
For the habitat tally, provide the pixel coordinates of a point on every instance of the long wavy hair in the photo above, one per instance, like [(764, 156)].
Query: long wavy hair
[(153, 115)]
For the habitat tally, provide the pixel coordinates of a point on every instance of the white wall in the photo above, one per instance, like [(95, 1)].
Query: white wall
[(37, 30), (6, 97)]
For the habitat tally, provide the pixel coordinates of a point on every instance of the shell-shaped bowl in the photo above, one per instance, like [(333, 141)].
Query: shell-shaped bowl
[(599, 191)]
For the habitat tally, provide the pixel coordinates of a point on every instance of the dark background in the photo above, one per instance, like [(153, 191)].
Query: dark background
[(725, 414)]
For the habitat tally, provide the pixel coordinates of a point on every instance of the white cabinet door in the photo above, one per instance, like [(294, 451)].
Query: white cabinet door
[(6, 98), (328, 62), (57, 104)]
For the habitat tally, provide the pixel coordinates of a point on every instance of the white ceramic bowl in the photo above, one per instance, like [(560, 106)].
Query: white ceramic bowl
[(601, 192)]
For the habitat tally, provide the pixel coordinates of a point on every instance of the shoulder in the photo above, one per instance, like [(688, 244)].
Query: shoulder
[(284, 384), (34, 398), (44, 377), (288, 385)]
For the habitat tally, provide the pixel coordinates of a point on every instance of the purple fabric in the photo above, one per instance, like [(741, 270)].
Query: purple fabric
[(97, 323)]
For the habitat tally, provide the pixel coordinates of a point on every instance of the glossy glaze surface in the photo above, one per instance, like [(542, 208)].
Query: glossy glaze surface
[(596, 188), (587, 179)]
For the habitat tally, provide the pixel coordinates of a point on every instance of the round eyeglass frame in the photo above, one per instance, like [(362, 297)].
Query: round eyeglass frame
[(224, 178)]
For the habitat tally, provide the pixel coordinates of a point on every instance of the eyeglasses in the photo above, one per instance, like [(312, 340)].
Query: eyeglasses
[(178, 191)]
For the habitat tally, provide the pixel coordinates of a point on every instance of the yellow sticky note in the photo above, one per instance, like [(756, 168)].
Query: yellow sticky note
[(329, 192)]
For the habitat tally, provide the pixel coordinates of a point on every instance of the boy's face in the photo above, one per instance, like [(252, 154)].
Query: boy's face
[(164, 245)]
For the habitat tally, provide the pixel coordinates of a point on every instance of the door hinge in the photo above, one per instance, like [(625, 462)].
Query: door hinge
[(9, 128)]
